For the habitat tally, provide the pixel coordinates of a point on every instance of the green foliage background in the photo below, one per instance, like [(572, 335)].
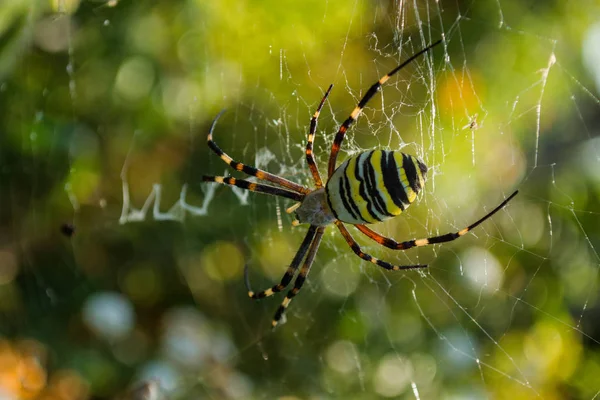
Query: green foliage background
[(88, 88)]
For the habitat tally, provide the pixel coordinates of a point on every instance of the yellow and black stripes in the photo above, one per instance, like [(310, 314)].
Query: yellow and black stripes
[(339, 137), (247, 169), (289, 274), (301, 278), (367, 257), (254, 187), (374, 186), (308, 248), (310, 158), (392, 244)]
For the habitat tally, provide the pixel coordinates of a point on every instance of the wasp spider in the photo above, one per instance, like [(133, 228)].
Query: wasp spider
[(366, 188)]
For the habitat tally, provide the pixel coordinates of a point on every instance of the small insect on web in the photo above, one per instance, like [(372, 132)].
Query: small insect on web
[(366, 188)]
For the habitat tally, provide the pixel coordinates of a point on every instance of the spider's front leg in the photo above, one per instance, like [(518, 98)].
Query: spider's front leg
[(254, 187), (339, 136), (247, 169), (310, 158)]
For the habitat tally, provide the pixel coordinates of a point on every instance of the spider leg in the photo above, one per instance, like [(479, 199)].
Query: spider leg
[(310, 158), (254, 187), (301, 278), (339, 137), (247, 169), (287, 277), (367, 257), (392, 244)]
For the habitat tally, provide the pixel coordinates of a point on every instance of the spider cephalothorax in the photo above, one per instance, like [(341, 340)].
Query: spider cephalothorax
[(366, 188), (315, 210)]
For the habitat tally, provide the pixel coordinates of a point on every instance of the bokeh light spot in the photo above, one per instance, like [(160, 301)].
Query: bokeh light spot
[(339, 278), (482, 269), (222, 261), (142, 284), (274, 254), (457, 94), (186, 337), (179, 95), (393, 375), (162, 373), (52, 34), (135, 79), (342, 356), (591, 52), (109, 315), (83, 181)]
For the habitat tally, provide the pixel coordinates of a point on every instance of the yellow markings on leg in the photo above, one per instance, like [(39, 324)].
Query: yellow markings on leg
[(311, 137), (421, 242), (463, 232), (226, 158), (374, 260), (284, 304), (355, 112), (316, 114), (295, 222), (252, 187), (219, 179), (250, 293), (384, 79), (293, 208), (269, 292)]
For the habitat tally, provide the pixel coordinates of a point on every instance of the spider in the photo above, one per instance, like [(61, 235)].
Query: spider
[(366, 188)]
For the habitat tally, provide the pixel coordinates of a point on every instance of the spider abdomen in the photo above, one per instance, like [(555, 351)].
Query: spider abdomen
[(374, 186)]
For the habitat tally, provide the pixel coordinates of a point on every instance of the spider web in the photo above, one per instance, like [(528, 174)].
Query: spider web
[(120, 267)]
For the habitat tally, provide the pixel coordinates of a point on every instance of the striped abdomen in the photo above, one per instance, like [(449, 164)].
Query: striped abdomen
[(374, 186)]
